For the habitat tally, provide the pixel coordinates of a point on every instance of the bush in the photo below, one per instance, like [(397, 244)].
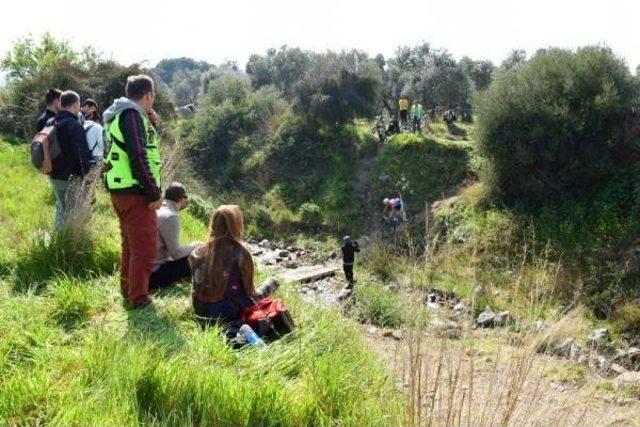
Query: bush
[(310, 216), (555, 126), (200, 209), (627, 319), (376, 304), (76, 254), (33, 67)]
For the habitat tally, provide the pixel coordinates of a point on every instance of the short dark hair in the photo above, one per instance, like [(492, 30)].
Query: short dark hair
[(68, 98), (175, 191), (52, 95), (138, 86)]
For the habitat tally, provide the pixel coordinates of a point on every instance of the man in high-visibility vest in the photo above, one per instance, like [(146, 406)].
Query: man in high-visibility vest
[(132, 178), (416, 116)]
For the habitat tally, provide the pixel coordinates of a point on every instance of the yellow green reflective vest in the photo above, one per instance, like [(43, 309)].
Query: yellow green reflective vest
[(120, 175)]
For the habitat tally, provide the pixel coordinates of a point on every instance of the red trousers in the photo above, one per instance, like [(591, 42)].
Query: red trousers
[(139, 229)]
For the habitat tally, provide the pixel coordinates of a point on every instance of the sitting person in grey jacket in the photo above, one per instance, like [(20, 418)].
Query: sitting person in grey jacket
[(172, 260)]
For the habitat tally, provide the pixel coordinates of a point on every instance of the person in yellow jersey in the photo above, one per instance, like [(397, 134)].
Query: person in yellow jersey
[(403, 106), (132, 178)]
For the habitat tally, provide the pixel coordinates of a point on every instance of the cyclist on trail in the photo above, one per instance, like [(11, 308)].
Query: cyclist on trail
[(416, 116), (394, 126), (395, 206), (403, 106)]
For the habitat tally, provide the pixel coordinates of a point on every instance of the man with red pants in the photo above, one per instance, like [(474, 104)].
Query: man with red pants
[(133, 179)]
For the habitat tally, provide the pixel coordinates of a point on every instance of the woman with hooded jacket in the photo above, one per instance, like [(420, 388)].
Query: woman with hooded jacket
[(222, 271)]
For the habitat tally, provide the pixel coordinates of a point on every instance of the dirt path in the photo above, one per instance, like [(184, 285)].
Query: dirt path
[(500, 378), (365, 190)]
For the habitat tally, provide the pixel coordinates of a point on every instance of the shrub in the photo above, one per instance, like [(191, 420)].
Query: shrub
[(76, 254), (310, 216), (200, 209), (378, 305), (555, 125), (261, 216), (627, 319)]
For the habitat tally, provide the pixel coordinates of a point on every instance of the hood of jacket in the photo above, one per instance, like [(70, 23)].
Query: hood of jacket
[(118, 106)]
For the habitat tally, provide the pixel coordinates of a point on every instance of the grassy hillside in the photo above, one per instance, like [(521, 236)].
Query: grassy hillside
[(70, 352), (423, 168)]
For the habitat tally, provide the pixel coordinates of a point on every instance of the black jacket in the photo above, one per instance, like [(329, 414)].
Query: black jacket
[(43, 119), (135, 138), (348, 252), (75, 157)]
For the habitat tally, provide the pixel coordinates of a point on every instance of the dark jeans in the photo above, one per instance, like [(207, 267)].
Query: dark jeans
[(416, 124), (169, 273), (348, 273), (224, 312), (230, 312), (403, 116)]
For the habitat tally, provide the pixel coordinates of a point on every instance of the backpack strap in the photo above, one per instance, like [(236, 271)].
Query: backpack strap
[(86, 130)]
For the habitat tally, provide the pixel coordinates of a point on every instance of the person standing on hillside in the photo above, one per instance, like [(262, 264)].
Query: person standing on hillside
[(172, 260), (416, 116), (349, 250), (52, 99), (94, 131), (74, 160), (403, 106), (132, 178)]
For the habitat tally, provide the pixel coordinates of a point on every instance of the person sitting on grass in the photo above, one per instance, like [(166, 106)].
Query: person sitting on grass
[(172, 259), (222, 271)]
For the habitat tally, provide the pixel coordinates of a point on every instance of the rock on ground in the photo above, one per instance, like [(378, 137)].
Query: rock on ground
[(485, 319)]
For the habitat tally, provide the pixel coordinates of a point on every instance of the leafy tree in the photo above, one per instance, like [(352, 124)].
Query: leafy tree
[(480, 72), (516, 58), (168, 68), (555, 127), (283, 68), (186, 86), (431, 76), (261, 69), (35, 67), (338, 87)]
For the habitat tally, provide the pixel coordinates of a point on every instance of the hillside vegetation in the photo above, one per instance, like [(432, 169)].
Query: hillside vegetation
[(528, 203), (70, 352)]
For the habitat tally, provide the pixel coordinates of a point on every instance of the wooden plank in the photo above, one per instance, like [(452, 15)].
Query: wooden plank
[(311, 273)]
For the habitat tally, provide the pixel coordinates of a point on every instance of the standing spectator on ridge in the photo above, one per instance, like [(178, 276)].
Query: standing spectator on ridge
[(172, 260), (403, 106), (94, 131), (52, 100), (133, 178), (416, 116), (75, 158)]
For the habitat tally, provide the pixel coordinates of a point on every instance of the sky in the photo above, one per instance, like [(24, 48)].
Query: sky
[(216, 31)]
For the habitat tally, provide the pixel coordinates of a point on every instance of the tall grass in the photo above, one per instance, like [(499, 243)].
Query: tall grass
[(71, 354), (452, 384), (156, 366)]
